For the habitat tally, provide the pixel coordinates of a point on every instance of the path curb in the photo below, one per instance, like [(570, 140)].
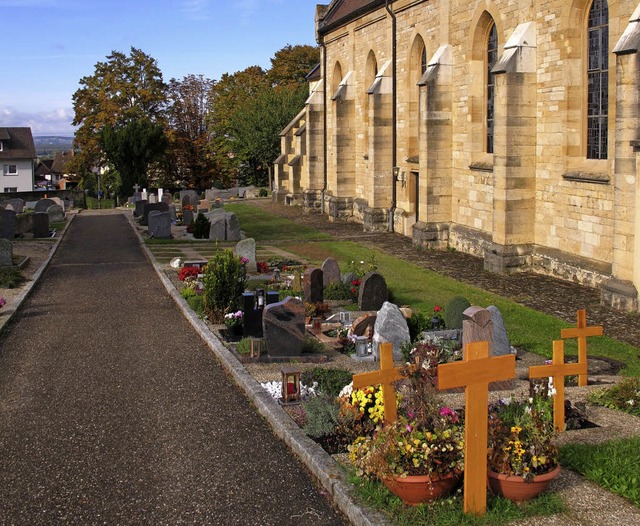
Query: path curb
[(321, 465)]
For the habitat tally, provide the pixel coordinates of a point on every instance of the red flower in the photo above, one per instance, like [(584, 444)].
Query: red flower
[(187, 272), (437, 308), (355, 282)]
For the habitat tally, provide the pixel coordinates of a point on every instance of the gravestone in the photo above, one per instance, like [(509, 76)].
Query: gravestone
[(56, 214), (6, 253), (348, 278), (247, 249), (331, 271), (30, 205), (167, 198), (204, 204), (218, 228), (364, 325), (172, 212), (187, 217), (312, 285), (253, 312), (41, 225), (233, 232), (145, 194), (283, 327), (16, 203), (160, 195), (193, 198), (477, 327), (296, 285), (153, 199), (7, 224), (43, 205), (24, 224), (373, 292), (390, 326), (501, 345), (159, 225), (139, 211), (58, 201), (150, 207)]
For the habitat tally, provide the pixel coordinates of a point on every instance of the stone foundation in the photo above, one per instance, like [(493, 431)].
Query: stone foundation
[(278, 196), (312, 201), (340, 208), (619, 294), (508, 259), (376, 220), (431, 235)]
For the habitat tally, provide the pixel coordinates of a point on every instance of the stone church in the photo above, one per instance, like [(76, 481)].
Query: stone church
[(505, 129)]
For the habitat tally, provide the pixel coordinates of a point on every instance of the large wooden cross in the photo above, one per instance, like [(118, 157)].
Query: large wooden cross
[(475, 373), (581, 332), (385, 376), (558, 370)]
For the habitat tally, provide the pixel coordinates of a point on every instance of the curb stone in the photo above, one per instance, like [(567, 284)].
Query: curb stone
[(320, 464)]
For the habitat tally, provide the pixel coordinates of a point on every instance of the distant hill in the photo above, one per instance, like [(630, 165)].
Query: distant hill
[(48, 145)]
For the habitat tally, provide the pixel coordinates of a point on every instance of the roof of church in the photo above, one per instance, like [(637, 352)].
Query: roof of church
[(341, 12)]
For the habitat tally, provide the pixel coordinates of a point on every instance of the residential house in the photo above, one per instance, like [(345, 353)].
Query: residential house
[(17, 158)]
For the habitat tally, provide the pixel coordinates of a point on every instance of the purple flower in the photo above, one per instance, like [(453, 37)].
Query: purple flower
[(3, 302)]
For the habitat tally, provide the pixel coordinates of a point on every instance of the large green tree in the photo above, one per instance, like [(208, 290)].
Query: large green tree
[(291, 65), (123, 89)]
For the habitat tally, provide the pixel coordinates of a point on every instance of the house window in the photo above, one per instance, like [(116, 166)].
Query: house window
[(10, 189), (10, 169), (492, 57), (597, 80)]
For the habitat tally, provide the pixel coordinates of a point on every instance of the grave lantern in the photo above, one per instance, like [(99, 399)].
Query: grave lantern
[(260, 298), (290, 385), (200, 284), (362, 346), (276, 274), (345, 317), (256, 347)]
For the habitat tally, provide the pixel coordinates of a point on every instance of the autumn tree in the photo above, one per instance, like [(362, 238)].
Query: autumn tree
[(188, 135), (123, 89), (291, 65)]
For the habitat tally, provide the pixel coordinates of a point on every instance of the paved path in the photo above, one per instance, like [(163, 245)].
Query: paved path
[(113, 411)]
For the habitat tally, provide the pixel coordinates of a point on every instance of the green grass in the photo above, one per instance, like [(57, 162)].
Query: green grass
[(528, 329), (613, 465), (449, 511), (624, 396), (92, 203)]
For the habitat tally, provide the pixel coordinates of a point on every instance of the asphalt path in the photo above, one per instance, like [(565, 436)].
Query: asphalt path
[(113, 411)]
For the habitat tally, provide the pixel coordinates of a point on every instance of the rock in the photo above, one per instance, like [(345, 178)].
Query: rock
[(501, 345), (247, 249), (391, 326)]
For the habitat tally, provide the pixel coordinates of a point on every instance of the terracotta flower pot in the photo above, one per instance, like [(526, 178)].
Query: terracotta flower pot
[(417, 489), (517, 489)]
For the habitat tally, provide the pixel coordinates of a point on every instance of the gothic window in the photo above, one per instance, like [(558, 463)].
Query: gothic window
[(597, 80), (492, 57), (423, 60)]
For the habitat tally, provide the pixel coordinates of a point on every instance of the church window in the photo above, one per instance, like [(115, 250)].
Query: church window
[(492, 57), (597, 80), (423, 60)]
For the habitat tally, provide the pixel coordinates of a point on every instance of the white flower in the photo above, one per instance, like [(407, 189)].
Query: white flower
[(631, 402), (506, 401), (346, 391)]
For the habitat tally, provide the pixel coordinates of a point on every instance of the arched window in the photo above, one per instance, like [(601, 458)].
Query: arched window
[(423, 60), (597, 79), (492, 57)]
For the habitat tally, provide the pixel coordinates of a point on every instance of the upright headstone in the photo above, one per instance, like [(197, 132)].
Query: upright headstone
[(153, 199), (187, 217), (140, 204), (501, 345), (312, 285), (477, 327), (283, 327), (7, 224), (43, 205), (204, 205), (160, 194), (150, 207), (253, 312), (41, 224), (391, 326), (193, 198), (348, 278), (172, 211), (218, 228), (56, 214), (16, 203), (233, 232), (6, 253), (145, 194), (331, 271), (297, 281), (373, 292), (159, 225), (167, 198), (247, 249), (58, 201), (24, 224)]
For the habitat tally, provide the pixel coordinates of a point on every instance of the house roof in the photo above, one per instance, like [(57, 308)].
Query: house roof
[(17, 143), (340, 12), (60, 160)]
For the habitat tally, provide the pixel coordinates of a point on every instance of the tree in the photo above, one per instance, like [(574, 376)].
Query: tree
[(188, 134), (131, 148), (291, 65), (123, 89)]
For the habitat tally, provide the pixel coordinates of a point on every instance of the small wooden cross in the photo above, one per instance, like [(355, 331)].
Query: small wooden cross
[(581, 332), (385, 376), (558, 370), (475, 373)]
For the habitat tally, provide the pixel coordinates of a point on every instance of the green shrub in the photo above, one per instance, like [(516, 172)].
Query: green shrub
[(312, 345), (283, 293), (10, 278), (218, 185), (337, 291), (263, 192), (201, 226), (323, 414), (188, 292), (224, 282), (197, 304), (244, 346), (254, 284), (624, 396), (330, 381), (454, 312), (418, 323)]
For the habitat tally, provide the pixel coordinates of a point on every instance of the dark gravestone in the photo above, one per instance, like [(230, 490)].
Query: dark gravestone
[(373, 292), (151, 207), (501, 345), (478, 327), (331, 271), (139, 211), (233, 232), (56, 214), (7, 224), (41, 224), (187, 217), (24, 224), (252, 324), (16, 203), (43, 205), (283, 327), (159, 225), (172, 213), (312, 285), (6, 253), (218, 228)]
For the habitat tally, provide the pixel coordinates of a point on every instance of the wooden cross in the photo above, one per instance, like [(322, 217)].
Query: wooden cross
[(558, 370), (475, 373), (581, 332), (385, 376)]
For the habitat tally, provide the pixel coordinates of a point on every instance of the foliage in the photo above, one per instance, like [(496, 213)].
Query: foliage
[(311, 345), (624, 396), (362, 268), (437, 321), (201, 226), (284, 263), (330, 381), (314, 310), (131, 148), (322, 416), (614, 465), (244, 346), (418, 323), (196, 303), (224, 281), (520, 436), (10, 278), (188, 272), (290, 66), (234, 319), (337, 291), (425, 355), (122, 89), (263, 192), (453, 313)]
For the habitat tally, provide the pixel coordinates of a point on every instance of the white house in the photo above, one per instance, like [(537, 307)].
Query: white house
[(17, 159)]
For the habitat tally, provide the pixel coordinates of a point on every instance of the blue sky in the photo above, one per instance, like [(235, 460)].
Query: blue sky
[(49, 45)]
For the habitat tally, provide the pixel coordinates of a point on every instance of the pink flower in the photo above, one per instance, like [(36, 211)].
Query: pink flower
[(3, 302), (244, 260)]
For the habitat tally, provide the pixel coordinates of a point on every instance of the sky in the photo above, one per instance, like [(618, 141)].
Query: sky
[(49, 45)]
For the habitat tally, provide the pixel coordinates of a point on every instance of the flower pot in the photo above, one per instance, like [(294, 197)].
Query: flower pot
[(516, 488), (416, 489)]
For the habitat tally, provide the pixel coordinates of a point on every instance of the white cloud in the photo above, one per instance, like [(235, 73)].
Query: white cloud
[(195, 9), (53, 122)]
